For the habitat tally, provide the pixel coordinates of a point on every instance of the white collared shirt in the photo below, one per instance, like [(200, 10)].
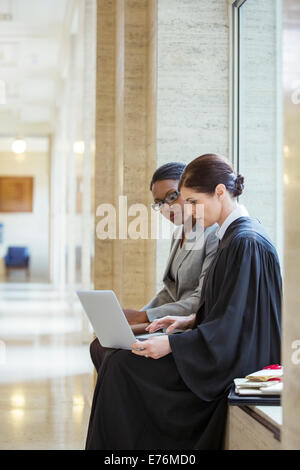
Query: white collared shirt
[(240, 211)]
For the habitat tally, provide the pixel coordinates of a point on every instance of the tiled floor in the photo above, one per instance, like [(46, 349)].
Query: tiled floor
[(46, 375)]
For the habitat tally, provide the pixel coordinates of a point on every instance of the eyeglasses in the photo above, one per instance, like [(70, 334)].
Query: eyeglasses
[(169, 199)]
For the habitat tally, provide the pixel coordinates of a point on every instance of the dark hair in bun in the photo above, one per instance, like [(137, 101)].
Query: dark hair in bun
[(239, 185), (205, 173)]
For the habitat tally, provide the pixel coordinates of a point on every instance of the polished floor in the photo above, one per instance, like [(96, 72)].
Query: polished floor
[(46, 375)]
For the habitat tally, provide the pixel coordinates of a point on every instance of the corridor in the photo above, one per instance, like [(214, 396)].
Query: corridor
[(127, 129), (46, 374)]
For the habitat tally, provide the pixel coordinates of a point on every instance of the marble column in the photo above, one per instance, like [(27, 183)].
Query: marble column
[(71, 170), (291, 317), (88, 136), (125, 155), (59, 197)]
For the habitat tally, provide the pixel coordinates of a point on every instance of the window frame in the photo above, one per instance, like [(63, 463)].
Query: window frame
[(234, 111), (234, 107)]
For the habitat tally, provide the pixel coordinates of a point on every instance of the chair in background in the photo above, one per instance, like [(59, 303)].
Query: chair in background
[(17, 258)]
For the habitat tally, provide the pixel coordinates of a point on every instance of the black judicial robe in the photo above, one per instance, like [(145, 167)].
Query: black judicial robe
[(179, 401)]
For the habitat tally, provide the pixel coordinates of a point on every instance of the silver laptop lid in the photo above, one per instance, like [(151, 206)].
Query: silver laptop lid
[(107, 318)]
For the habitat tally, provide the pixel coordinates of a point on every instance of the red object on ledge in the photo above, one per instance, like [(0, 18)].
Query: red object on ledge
[(273, 366)]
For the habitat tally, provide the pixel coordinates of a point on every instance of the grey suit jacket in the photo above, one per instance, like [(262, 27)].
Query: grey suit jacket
[(182, 295)]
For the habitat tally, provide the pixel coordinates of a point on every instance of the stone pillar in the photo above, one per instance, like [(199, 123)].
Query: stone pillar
[(88, 136), (125, 140), (291, 318), (71, 169), (59, 198)]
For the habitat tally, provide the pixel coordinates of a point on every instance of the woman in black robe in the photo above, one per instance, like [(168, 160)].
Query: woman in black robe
[(170, 392)]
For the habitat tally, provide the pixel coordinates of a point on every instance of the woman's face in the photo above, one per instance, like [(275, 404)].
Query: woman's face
[(206, 208), (172, 211)]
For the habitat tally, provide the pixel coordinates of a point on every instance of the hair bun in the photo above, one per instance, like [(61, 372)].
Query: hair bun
[(239, 185)]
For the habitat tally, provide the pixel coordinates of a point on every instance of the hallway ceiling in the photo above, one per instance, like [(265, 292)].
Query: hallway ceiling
[(31, 63)]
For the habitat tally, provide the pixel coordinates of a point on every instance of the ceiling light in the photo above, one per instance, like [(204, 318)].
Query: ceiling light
[(78, 146), (19, 146)]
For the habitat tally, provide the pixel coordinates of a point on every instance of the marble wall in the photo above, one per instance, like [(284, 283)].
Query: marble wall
[(125, 141), (291, 316), (193, 85)]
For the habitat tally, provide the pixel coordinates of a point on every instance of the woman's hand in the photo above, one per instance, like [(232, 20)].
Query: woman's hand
[(171, 323), (135, 317), (155, 347), (140, 328)]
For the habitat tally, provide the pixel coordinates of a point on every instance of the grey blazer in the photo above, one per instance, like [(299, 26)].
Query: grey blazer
[(182, 295)]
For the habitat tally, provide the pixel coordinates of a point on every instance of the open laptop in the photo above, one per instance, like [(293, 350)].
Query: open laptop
[(108, 320)]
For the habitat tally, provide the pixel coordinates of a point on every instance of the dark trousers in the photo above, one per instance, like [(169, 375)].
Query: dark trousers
[(97, 353)]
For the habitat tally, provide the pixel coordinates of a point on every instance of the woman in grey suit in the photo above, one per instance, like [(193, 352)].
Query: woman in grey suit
[(185, 269)]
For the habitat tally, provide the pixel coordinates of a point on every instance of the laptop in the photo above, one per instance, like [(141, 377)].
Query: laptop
[(108, 320)]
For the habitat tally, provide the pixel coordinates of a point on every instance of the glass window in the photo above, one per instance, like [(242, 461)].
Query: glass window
[(258, 92)]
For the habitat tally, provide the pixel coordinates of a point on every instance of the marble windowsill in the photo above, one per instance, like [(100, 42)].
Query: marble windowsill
[(271, 413), (269, 416)]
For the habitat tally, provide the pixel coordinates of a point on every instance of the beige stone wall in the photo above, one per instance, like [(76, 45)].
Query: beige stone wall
[(192, 113), (291, 316), (125, 139), (193, 85)]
